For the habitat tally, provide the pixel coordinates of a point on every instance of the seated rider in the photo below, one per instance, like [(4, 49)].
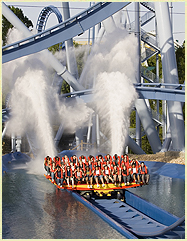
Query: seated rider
[(57, 161), (108, 157), (100, 164), (63, 167), (88, 176), (100, 158), (107, 174), (52, 170), (81, 165), (75, 160), (125, 174), (144, 173), (78, 174), (66, 160), (115, 174), (125, 160), (83, 159), (135, 161), (98, 175), (119, 173), (69, 176), (48, 165), (135, 173), (116, 159), (58, 175)]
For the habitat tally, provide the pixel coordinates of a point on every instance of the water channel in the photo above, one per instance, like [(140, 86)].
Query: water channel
[(32, 208)]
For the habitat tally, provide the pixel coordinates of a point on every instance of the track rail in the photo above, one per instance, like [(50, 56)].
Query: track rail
[(61, 32), (44, 15), (128, 221)]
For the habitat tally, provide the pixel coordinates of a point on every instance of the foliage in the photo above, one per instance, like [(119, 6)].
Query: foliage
[(180, 57), (80, 63), (146, 146), (133, 119), (6, 25), (152, 63), (55, 48), (144, 140), (65, 87), (79, 58), (76, 45)]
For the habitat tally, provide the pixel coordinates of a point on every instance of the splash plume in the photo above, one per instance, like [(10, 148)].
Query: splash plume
[(111, 70)]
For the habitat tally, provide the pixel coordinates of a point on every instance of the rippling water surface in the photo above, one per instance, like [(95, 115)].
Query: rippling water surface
[(165, 192), (33, 208)]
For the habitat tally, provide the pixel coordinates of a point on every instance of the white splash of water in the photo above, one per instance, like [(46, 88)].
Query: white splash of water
[(29, 104), (35, 104), (111, 70), (113, 104)]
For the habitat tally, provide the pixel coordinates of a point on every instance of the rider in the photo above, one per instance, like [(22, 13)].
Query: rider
[(125, 174), (88, 176), (75, 160), (107, 174), (98, 175), (69, 176), (58, 175), (48, 164), (135, 173), (144, 173), (78, 174)]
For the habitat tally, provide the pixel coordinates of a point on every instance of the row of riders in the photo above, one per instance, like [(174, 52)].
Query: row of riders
[(99, 169)]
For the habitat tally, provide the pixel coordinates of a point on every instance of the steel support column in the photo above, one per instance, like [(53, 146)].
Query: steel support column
[(170, 73), (89, 132), (138, 35), (97, 132), (13, 143), (94, 129), (70, 56), (140, 105), (157, 75)]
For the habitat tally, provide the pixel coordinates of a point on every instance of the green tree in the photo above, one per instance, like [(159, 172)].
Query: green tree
[(65, 87), (80, 57), (180, 57), (55, 48), (6, 25), (152, 63)]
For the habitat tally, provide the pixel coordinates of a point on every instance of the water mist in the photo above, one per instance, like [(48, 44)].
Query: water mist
[(30, 105), (111, 70), (35, 104)]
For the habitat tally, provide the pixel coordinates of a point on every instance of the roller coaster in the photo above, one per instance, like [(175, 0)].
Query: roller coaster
[(168, 90)]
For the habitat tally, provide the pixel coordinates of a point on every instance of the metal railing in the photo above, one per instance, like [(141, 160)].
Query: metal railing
[(150, 75), (144, 19), (83, 146), (54, 28), (149, 40)]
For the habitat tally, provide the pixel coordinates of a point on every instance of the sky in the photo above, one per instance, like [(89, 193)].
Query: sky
[(33, 9)]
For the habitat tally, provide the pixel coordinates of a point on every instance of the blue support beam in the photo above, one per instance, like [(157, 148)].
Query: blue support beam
[(148, 91)]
